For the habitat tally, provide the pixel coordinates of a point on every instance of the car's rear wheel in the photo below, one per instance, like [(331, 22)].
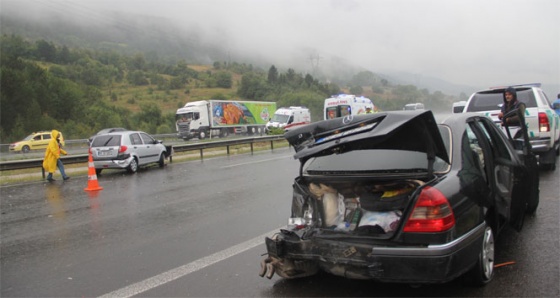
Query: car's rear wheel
[(133, 166), (483, 271), (25, 149), (161, 162)]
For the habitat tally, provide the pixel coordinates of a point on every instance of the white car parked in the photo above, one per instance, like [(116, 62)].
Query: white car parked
[(543, 124), (126, 150)]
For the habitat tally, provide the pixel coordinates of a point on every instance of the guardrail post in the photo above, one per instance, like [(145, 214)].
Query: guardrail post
[(271, 145), (43, 172), (201, 155), (251, 148), (227, 149)]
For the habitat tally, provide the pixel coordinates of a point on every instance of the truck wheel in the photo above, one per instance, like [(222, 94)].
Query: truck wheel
[(224, 133), (483, 271), (202, 135)]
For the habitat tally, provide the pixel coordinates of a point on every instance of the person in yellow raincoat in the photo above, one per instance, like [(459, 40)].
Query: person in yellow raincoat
[(52, 157)]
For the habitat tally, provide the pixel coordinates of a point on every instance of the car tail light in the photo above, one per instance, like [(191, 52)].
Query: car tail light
[(544, 126), (432, 213), (122, 149), (297, 223)]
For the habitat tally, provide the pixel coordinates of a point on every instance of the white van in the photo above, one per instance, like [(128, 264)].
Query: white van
[(458, 106), (414, 106), (288, 118), (346, 104)]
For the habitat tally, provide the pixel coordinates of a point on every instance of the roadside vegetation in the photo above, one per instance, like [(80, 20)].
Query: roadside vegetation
[(81, 91)]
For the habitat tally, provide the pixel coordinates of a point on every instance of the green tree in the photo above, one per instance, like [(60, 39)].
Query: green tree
[(363, 78), (252, 86), (46, 51), (223, 79), (356, 90), (309, 80), (272, 75), (137, 62), (137, 78)]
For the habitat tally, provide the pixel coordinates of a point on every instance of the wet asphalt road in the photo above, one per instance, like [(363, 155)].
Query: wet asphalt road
[(196, 229)]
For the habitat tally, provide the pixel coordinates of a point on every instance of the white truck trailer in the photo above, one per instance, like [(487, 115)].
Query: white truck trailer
[(202, 119)]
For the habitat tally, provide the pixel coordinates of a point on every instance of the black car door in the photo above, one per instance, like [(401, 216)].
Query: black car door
[(507, 175)]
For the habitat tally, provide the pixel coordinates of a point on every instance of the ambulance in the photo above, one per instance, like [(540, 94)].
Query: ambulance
[(288, 118), (346, 104)]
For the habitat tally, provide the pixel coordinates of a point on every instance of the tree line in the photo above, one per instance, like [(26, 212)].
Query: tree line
[(46, 86)]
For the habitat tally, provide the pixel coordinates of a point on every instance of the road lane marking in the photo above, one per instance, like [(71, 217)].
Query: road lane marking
[(181, 271), (252, 162)]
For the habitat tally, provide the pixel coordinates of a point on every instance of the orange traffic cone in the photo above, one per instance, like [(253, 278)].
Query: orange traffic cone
[(92, 177)]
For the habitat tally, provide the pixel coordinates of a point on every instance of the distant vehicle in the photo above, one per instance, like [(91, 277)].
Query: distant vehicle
[(126, 150), (342, 105), (458, 106), (107, 130), (556, 106), (35, 141), (201, 119), (414, 106), (395, 197), (289, 118), (542, 121)]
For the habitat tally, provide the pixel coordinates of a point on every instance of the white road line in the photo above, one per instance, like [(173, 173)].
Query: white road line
[(173, 274), (252, 162)]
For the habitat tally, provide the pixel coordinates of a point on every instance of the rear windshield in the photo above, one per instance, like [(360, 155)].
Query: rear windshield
[(493, 100), (106, 141)]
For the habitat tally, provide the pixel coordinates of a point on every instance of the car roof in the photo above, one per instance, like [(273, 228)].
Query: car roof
[(399, 130), (113, 129)]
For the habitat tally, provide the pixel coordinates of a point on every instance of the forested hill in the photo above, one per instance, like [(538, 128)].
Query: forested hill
[(81, 79), (80, 91)]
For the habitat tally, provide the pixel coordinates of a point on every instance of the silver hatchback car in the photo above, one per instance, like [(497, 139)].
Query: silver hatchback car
[(126, 150)]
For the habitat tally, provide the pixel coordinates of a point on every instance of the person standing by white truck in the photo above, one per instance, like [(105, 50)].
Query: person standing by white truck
[(288, 118), (543, 124)]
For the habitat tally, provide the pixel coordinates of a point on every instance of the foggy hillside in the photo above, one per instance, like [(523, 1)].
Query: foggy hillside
[(165, 40)]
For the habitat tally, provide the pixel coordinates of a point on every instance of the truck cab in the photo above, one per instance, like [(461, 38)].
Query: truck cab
[(190, 118)]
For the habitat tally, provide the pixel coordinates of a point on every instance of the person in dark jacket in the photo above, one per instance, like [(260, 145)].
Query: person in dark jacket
[(511, 103)]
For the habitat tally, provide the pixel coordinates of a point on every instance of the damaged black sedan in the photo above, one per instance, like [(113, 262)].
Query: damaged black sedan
[(396, 197)]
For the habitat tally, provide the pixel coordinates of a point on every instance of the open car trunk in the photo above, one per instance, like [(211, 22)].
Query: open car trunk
[(352, 208), (359, 174)]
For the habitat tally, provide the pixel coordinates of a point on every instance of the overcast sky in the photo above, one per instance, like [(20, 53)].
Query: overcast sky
[(471, 42)]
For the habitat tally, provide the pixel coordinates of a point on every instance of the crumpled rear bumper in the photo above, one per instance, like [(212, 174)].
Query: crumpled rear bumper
[(292, 257)]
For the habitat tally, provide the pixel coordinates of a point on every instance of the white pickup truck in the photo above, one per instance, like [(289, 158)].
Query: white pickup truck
[(543, 124)]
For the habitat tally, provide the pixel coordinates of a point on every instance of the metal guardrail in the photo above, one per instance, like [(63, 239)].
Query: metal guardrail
[(82, 158)]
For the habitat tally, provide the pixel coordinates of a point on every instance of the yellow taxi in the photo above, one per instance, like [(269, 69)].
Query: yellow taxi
[(34, 141)]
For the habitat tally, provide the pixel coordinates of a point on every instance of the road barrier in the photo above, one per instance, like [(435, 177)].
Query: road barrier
[(83, 158)]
